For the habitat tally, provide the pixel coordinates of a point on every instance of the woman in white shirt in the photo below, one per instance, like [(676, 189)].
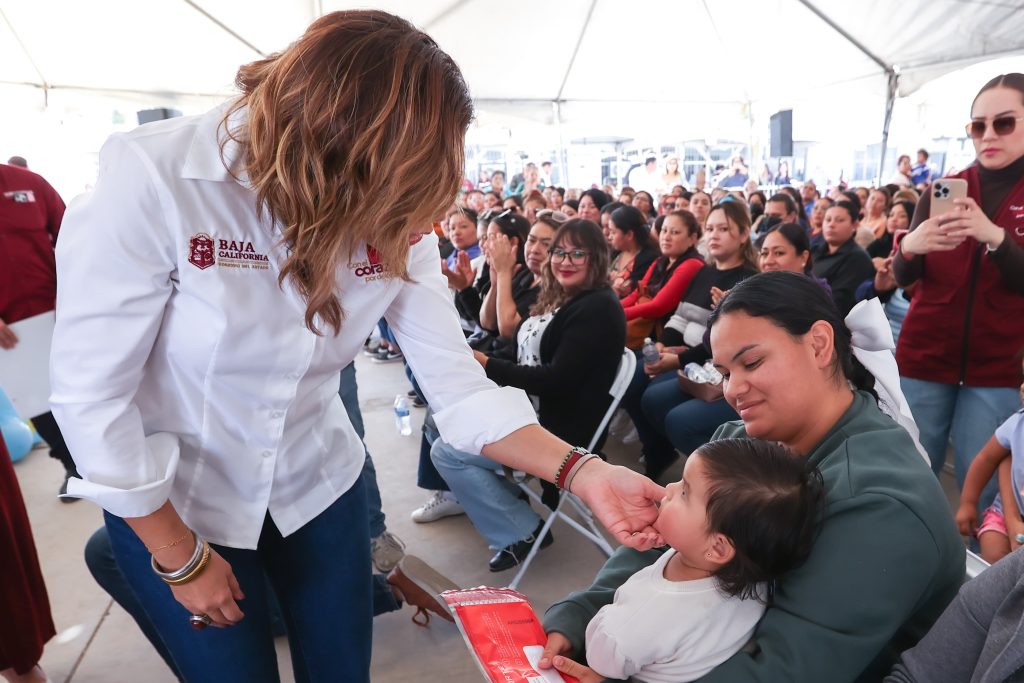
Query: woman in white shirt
[(211, 287)]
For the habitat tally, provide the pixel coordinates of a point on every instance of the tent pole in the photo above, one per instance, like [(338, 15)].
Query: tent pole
[(563, 162), (890, 100)]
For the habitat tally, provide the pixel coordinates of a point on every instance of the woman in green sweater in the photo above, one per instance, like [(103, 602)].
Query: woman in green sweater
[(888, 559)]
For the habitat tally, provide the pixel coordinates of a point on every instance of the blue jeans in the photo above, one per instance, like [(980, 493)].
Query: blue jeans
[(491, 501), (101, 563), (322, 577), (970, 415), (349, 392), (656, 448), (427, 476), (687, 422)]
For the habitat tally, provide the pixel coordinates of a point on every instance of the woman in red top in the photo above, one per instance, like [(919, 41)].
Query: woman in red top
[(665, 282), (26, 623), (958, 348)]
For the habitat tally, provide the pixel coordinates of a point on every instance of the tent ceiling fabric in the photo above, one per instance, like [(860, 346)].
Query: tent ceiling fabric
[(674, 51)]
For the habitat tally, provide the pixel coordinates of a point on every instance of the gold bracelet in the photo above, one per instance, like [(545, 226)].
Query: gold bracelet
[(203, 561), (173, 543)]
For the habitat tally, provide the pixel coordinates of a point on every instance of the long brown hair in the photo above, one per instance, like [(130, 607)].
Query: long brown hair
[(737, 214), (585, 235), (338, 128)]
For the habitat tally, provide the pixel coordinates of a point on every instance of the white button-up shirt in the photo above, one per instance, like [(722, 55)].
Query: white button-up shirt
[(182, 370)]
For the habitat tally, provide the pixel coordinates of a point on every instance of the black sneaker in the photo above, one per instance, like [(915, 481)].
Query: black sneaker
[(64, 489), (512, 555), (386, 355)]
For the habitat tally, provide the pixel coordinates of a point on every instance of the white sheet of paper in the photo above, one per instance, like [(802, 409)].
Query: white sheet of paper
[(25, 369)]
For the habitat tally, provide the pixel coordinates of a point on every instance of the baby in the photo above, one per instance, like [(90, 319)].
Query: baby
[(745, 513)]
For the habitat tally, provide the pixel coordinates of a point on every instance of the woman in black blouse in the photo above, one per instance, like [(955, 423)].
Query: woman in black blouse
[(569, 351)]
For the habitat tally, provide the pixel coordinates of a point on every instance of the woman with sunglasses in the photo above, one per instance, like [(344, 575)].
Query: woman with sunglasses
[(569, 351), (957, 350)]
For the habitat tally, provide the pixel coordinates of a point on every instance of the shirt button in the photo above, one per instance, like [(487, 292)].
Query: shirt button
[(277, 414), (267, 454)]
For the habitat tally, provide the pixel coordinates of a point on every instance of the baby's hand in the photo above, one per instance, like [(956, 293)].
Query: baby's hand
[(557, 645)]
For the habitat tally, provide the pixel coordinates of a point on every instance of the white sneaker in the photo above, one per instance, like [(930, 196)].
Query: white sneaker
[(387, 550), (631, 436), (441, 504), (620, 423)]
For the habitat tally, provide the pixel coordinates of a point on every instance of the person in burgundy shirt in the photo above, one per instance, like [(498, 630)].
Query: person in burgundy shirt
[(30, 216)]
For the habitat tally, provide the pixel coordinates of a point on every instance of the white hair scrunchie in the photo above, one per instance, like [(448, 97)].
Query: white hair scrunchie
[(873, 346)]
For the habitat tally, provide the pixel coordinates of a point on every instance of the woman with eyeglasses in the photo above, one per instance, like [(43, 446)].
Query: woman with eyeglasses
[(643, 201), (957, 350), (633, 246), (196, 382), (569, 351)]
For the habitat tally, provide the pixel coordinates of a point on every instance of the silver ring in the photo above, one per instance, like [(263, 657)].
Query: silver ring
[(1020, 539), (199, 621)]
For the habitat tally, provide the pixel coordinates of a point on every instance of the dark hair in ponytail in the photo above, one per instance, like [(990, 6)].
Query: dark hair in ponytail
[(795, 302), (1013, 81)]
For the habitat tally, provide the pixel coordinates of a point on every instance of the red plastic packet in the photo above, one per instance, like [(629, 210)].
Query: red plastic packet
[(503, 633)]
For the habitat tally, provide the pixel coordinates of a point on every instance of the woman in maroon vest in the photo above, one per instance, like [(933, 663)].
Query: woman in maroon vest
[(958, 349)]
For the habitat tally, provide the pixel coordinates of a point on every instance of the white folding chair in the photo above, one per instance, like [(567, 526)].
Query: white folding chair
[(587, 525), (975, 565)]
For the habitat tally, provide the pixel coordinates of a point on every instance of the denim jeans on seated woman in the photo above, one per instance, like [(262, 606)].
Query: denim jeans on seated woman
[(322, 577), (490, 500), (687, 422), (656, 448)]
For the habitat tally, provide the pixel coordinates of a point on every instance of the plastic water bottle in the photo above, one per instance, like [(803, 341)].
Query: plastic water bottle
[(650, 352), (695, 373), (402, 421)]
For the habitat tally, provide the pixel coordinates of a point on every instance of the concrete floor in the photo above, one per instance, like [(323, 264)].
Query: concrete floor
[(98, 643)]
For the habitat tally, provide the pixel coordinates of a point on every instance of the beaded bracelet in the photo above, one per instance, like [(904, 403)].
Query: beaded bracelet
[(567, 464), (576, 468)]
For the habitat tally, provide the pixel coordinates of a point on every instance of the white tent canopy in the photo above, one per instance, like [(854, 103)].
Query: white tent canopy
[(696, 68), (534, 51)]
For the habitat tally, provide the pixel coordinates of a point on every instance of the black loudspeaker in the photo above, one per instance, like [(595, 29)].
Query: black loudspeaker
[(150, 115), (782, 133)]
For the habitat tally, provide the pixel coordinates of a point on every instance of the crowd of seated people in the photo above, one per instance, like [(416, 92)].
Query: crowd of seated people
[(552, 284)]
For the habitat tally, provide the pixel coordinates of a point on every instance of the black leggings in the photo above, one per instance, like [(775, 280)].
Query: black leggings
[(48, 429)]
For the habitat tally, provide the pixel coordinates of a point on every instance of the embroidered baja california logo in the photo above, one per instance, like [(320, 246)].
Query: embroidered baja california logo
[(200, 251), (205, 251), (240, 254), (371, 269)]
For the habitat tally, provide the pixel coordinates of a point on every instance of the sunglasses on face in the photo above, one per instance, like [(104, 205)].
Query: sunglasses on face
[(1001, 125), (575, 257)]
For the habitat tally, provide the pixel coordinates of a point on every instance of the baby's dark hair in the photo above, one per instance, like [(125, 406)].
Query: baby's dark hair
[(769, 502)]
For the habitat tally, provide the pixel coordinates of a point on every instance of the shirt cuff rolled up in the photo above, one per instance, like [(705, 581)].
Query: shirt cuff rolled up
[(484, 417), (125, 498)]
